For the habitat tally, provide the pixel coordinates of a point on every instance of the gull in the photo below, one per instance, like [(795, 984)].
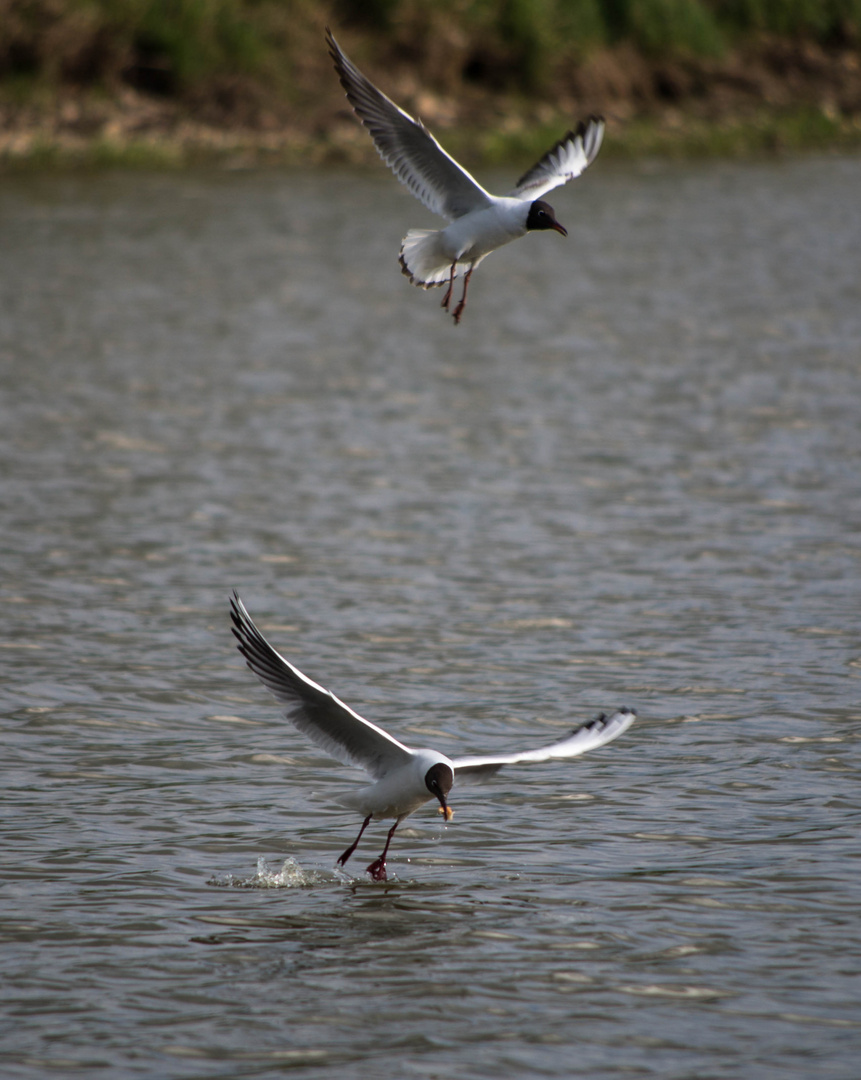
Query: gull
[(403, 778), (480, 222)]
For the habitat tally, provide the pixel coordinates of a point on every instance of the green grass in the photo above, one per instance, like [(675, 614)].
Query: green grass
[(805, 130), (801, 131), (184, 46), (818, 19), (766, 134), (229, 61)]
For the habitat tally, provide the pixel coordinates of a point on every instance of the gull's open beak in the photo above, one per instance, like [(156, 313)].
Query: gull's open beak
[(559, 228)]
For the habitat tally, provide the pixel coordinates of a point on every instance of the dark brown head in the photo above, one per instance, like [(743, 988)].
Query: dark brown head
[(541, 216), (438, 781)]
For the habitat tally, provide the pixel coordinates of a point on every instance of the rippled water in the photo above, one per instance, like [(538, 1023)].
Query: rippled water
[(632, 476)]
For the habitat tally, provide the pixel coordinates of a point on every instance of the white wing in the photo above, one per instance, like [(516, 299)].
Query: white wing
[(315, 711), (407, 147), (567, 159), (597, 732)]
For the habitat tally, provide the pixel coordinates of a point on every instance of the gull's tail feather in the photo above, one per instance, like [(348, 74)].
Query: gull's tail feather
[(423, 260)]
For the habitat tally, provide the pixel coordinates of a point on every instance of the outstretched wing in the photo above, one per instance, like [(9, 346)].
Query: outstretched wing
[(594, 733), (567, 159), (315, 711), (407, 147)]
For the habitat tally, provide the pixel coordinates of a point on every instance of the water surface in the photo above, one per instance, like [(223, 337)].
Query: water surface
[(632, 476)]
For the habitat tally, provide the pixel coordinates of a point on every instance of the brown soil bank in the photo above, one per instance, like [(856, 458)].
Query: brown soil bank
[(110, 81)]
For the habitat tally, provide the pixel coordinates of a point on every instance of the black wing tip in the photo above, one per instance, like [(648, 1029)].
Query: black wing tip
[(599, 722), (335, 54), (579, 132), (352, 81), (243, 629), (238, 612), (255, 650), (596, 723), (592, 118), (583, 126), (342, 63)]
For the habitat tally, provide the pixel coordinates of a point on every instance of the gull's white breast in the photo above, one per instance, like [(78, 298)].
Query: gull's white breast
[(471, 237), (401, 791)]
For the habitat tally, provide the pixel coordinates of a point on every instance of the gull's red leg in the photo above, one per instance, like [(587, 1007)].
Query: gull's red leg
[(458, 311), (377, 869), (446, 300), (343, 858)]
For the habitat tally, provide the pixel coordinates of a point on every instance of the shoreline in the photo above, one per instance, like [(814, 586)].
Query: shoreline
[(188, 145), (765, 98)]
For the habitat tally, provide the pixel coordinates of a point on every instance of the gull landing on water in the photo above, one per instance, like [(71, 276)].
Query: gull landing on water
[(403, 779), (480, 222)]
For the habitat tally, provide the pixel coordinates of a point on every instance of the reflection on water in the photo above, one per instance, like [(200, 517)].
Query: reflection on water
[(632, 476)]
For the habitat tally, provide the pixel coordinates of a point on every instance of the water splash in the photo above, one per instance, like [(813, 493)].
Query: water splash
[(290, 876)]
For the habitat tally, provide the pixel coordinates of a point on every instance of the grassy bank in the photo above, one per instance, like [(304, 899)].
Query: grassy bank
[(168, 82)]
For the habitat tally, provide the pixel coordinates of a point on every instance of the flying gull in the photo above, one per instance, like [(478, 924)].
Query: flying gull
[(403, 779), (480, 222)]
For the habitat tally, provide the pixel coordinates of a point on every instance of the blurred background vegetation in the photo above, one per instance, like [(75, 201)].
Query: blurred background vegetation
[(224, 73)]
